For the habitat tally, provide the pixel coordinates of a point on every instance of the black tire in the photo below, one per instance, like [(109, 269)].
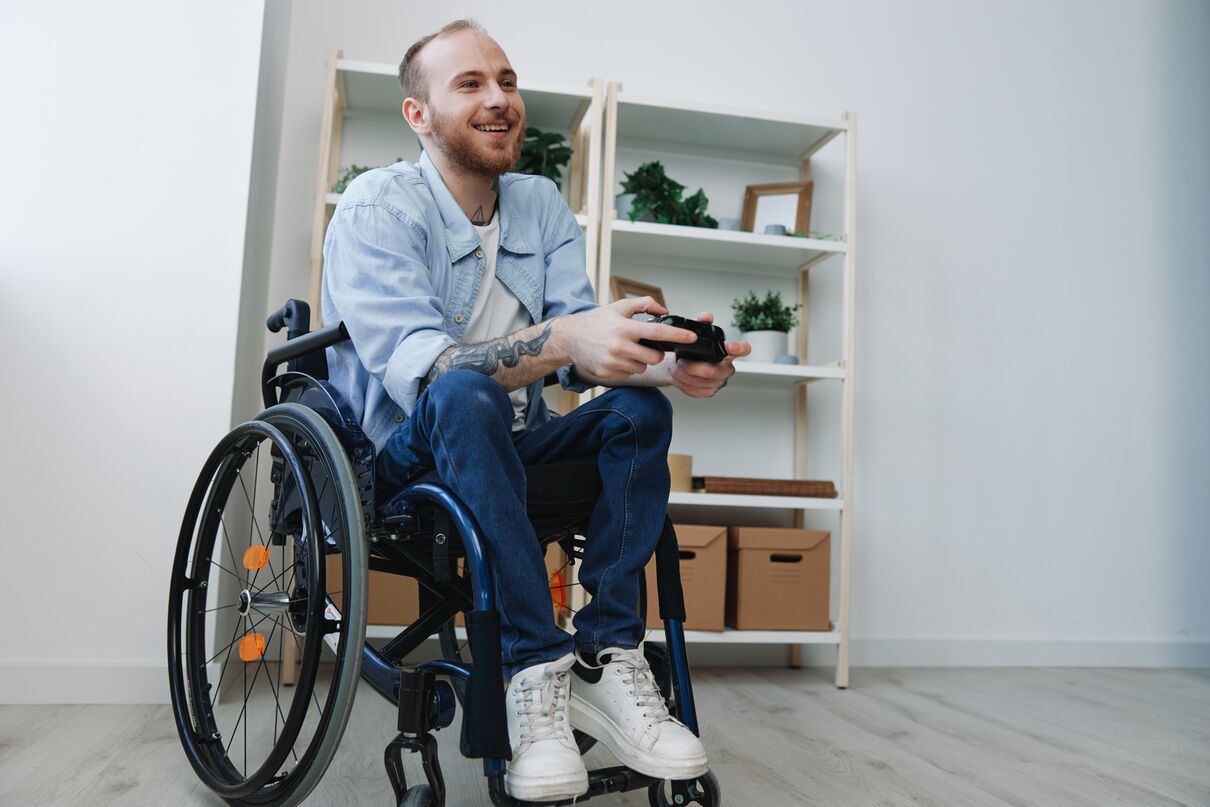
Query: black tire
[(418, 796), (703, 791), (290, 463)]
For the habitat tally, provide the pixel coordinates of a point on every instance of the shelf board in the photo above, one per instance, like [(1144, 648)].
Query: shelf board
[(725, 129), (728, 636), (373, 89), (333, 199), (731, 636), (768, 374), (722, 250), (746, 500)]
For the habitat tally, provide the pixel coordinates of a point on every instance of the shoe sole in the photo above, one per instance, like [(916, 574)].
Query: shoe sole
[(590, 720), (545, 788)]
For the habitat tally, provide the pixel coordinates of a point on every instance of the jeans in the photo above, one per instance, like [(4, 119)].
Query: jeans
[(462, 426)]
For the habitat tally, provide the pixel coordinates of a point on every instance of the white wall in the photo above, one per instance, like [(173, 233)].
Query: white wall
[(126, 158), (1032, 446), (1033, 338)]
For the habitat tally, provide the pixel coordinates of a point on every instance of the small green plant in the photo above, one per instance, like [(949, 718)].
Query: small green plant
[(351, 173), (769, 314), (543, 154), (660, 195)]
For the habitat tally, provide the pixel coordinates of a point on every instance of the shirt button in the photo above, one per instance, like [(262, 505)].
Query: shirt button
[(478, 253), (399, 418), (457, 318)]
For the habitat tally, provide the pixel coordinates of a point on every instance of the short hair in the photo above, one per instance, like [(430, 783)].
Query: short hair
[(411, 77)]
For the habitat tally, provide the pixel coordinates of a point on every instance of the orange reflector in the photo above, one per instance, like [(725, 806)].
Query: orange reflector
[(252, 646), (558, 591), (255, 557)]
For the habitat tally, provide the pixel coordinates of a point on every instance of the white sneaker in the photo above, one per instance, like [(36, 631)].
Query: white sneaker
[(624, 710), (546, 763)]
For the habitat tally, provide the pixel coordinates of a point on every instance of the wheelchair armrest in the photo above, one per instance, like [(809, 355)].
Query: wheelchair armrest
[(297, 348), (300, 346)]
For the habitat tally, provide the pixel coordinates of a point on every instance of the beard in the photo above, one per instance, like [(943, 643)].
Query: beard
[(462, 145)]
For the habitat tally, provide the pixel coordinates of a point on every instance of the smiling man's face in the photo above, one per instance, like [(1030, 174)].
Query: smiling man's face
[(475, 112)]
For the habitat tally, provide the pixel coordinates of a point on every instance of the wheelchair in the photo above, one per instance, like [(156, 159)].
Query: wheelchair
[(268, 605)]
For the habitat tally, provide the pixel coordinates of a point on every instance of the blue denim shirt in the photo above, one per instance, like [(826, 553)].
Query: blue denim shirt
[(402, 269)]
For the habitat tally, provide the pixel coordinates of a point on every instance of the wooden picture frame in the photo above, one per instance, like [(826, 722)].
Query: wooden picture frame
[(623, 288), (802, 214)]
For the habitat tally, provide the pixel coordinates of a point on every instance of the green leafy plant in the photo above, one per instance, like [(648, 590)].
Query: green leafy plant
[(351, 173), (543, 154), (660, 195), (769, 314), (695, 211)]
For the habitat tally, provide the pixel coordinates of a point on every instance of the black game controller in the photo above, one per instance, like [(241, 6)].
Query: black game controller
[(710, 345)]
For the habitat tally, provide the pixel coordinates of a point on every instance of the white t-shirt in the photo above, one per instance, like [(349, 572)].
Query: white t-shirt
[(497, 310)]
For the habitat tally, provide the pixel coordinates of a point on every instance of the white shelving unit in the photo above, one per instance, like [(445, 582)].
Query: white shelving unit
[(739, 141), (362, 124)]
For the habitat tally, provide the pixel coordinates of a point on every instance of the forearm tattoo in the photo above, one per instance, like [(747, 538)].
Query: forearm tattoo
[(486, 357)]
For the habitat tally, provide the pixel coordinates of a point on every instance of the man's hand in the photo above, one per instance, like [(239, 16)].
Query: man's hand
[(701, 379), (603, 343)]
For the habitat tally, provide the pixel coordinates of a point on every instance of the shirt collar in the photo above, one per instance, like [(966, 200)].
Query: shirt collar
[(460, 235)]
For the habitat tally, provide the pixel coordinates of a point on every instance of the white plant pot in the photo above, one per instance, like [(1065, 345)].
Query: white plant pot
[(766, 345)]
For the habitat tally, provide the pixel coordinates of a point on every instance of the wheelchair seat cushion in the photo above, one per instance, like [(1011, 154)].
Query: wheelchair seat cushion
[(558, 495)]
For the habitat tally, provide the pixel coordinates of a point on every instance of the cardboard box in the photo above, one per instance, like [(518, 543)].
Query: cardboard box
[(777, 579), (393, 599), (703, 551), (560, 597), (680, 472)]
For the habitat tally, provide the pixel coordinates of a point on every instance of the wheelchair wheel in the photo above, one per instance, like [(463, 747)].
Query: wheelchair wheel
[(419, 796), (271, 558), (703, 791)]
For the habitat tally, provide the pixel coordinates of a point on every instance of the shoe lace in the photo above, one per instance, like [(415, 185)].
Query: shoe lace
[(643, 687), (542, 701)]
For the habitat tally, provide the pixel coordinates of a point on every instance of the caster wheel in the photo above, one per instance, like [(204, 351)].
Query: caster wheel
[(419, 796), (702, 791)]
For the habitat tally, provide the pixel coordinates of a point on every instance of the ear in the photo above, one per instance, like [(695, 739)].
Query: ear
[(417, 116)]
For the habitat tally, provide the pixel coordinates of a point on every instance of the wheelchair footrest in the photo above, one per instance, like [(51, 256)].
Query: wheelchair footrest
[(618, 779)]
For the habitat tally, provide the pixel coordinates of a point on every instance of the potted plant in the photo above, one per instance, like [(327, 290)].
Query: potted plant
[(350, 174), (765, 324), (543, 154), (649, 194)]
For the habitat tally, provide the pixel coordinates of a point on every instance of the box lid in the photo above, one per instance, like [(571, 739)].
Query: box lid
[(774, 538), (697, 535)]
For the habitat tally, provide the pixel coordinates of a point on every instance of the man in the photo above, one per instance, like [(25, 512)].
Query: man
[(462, 287)]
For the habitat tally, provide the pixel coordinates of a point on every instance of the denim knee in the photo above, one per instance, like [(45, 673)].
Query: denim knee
[(467, 394), (647, 407)]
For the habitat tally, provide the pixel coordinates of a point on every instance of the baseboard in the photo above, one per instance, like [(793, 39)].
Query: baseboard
[(81, 682), (931, 652), (33, 682)]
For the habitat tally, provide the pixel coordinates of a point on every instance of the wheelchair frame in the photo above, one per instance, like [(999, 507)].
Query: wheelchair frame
[(414, 537)]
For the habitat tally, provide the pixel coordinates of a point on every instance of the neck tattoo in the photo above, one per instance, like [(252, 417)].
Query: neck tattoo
[(477, 217)]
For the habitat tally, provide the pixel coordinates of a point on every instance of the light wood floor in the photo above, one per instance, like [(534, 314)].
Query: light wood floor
[(775, 736)]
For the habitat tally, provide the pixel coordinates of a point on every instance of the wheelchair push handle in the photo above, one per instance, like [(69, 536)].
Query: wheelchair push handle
[(295, 315), (303, 348)]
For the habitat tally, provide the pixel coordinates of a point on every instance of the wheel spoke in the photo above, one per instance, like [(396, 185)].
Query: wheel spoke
[(274, 580), (228, 571), (227, 539)]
